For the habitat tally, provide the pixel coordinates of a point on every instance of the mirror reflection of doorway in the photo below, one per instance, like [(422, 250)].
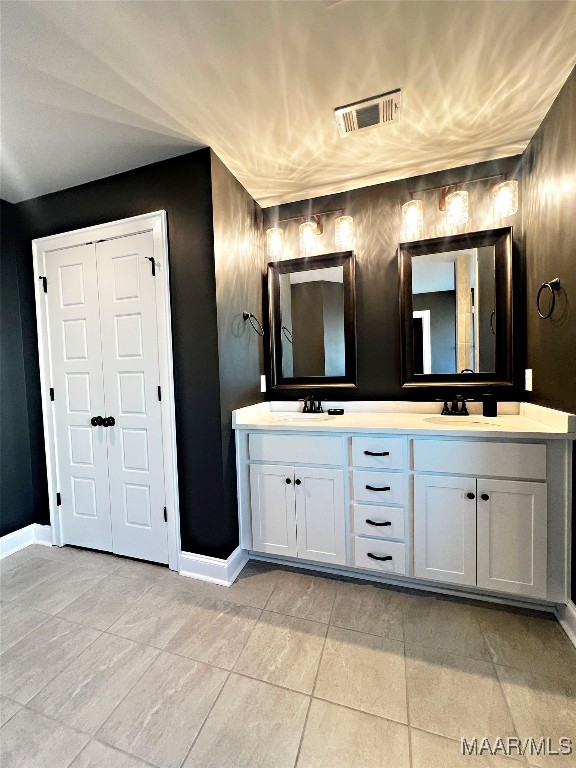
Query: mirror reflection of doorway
[(422, 342)]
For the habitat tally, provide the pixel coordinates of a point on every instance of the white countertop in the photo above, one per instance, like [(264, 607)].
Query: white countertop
[(531, 421)]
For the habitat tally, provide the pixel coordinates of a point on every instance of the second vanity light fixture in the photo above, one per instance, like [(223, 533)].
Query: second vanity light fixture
[(309, 231), (454, 200)]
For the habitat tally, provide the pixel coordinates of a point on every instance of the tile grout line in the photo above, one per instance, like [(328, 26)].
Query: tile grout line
[(229, 671), (205, 720), (74, 621), (311, 694)]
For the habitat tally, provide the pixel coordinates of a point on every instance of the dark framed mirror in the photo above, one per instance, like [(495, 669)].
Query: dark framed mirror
[(456, 309), (312, 308)]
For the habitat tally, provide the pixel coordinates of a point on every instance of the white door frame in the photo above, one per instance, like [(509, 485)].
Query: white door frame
[(151, 222), (424, 315)]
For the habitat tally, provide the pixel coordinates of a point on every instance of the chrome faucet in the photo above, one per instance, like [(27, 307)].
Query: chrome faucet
[(311, 405)]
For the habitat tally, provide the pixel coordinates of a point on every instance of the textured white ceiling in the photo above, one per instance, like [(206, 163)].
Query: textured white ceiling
[(89, 89)]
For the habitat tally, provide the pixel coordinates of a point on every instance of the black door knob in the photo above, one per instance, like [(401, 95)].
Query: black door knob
[(470, 496), (298, 482), (97, 421), (109, 421), (484, 497), (288, 481)]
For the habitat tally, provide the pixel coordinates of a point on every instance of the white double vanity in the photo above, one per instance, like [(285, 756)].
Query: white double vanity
[(460, 504)]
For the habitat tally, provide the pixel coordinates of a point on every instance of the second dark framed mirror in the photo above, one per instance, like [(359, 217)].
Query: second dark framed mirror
[(456, 309), (313, 322)]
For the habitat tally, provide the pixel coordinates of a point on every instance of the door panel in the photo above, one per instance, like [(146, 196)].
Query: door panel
[(127, 291), (76, 355), (320, 514), (273, 513), (445, 529), (512, 537)]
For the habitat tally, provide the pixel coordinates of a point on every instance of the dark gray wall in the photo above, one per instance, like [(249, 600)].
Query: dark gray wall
[(549, 213), (442, 306), (182, 187), (239, 253), (17, 497), (377, 221)]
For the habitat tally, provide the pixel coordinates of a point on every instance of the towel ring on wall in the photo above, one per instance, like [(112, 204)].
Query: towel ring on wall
[(553, 286), (249, 316), (287, 333)]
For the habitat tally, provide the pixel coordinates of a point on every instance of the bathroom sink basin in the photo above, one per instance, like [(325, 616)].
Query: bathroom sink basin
[(303, 417), (473, 421)]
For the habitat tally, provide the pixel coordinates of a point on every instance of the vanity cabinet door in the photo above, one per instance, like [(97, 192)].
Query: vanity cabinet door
[(445, 528), (320, 514), (512, 537), (273, 511)]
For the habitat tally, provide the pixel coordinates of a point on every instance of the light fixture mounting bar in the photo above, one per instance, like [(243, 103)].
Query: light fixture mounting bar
[(312, 217), (457, 183)]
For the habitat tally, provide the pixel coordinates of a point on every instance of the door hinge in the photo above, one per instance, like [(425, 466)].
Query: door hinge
[(58, 499), (52, 394), (165, 515), (159, 392), (44, 283)]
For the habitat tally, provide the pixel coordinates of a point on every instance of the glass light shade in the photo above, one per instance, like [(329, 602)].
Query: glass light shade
[(308, 238), (457, 208), (412, 219), (344, 233), (274, 242), (505, 198)]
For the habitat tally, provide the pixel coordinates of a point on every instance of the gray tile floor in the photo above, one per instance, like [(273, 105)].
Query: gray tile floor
[(110, 663)]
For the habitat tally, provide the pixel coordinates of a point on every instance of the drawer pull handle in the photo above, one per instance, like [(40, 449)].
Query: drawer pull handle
[(372, 488), (377, 557), (372, 453), (373, 522), (484, 497)]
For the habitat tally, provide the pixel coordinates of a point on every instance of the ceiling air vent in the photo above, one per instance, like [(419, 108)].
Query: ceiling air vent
[(369, 113)]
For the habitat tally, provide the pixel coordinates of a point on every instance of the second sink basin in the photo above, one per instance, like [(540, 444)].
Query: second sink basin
[(473, 421)]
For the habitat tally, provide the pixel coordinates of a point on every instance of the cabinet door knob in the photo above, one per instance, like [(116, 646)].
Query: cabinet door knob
[(372, 488), (470, 496), (298, 482), (379, 557), (288, 481), (372, 453), (97, 421), (373, 522), (484, 497)]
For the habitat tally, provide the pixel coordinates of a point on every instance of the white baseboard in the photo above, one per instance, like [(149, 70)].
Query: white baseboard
[(567, 617), (24, 537), (213, 569)]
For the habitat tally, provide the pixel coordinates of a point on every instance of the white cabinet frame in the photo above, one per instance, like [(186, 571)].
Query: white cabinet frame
[(41, 248)]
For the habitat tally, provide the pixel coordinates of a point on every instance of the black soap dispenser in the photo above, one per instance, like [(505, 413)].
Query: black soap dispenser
[(489, 405)]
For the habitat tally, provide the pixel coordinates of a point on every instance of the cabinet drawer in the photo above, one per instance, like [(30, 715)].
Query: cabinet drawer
[(378, 548), (385, 522), (378, 452), (296, 449), (460, 457), (391, 485)]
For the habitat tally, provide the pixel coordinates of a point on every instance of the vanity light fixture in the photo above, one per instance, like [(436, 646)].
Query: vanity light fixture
[(344, 233), (308, 238), (274, 243), (412, 219), (457, 208), (505, 198)]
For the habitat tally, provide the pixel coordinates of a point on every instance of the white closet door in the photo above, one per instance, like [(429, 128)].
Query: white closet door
[(74, 332), (127, 290)]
